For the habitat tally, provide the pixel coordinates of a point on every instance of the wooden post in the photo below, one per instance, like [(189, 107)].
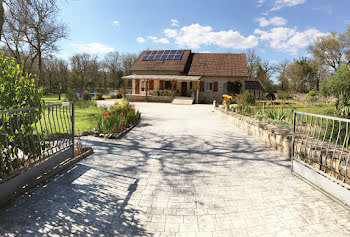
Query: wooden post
[(197, 93), (125, 81), (146, 90)]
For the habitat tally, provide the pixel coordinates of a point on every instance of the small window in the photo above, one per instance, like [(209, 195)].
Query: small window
[(143, 86), (190, 85), (208, 86)]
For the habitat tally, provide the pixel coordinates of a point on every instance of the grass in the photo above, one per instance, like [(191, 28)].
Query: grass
[(86, 116)]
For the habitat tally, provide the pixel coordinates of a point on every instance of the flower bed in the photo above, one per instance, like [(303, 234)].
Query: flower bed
[(119, 118)]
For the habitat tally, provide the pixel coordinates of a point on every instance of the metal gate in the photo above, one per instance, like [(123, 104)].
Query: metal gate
[(32, 136), (321, 152)]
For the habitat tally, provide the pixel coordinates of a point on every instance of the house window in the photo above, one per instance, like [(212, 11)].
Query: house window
[(167, 85), (143, 86), (190, 85), (208, 86)]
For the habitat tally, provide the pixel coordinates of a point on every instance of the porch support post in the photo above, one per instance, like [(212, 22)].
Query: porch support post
[(146, 90), (197, 92), (125, 82)]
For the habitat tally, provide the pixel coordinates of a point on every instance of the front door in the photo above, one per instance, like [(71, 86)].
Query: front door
[(184, 88)]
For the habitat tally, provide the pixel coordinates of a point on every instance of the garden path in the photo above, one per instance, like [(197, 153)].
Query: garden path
[(183, 171)]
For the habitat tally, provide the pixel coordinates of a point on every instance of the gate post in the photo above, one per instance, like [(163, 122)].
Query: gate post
[(72, 119), (293, 141)]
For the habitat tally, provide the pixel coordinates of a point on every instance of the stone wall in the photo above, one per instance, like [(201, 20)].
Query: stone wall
[(272, 136)]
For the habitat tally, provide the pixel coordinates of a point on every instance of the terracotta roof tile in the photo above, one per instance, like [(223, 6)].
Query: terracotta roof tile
[(218, 64), (166, 65)]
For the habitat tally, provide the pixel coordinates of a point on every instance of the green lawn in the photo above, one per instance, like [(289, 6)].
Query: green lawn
[(86, 117)]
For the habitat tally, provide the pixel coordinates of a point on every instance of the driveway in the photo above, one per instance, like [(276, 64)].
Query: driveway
[(182, 171)]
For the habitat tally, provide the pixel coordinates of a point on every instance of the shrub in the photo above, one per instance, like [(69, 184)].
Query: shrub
[(343, 105), (85, 103), (245, 99), (18, 90), (86, 96), (283, 96), (98, 96), (70, 96), (311, 96)]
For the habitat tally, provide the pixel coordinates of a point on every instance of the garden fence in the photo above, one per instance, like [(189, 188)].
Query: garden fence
[(30, 136), (322, 142)]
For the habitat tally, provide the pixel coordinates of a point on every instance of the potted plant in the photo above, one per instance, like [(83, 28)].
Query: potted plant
[(227, 99)]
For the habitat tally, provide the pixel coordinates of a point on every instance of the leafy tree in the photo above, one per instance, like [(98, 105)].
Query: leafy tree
[(338, 83), (333, 49)]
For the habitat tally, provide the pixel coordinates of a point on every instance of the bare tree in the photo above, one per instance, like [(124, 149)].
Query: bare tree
[(2, 16), (282, 77), (36, 24), (127, 61), (253, 62)]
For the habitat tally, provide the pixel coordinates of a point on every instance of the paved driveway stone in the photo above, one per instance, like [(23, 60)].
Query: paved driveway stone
[(181, 172)]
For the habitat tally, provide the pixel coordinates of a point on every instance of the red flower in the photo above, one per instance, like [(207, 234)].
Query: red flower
[(105, 114), (121, 115)]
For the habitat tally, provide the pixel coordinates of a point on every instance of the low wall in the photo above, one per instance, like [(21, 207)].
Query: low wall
[(150, 98), (273, 136)]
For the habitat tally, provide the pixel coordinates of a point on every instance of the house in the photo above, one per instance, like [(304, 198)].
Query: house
[(162, 75)]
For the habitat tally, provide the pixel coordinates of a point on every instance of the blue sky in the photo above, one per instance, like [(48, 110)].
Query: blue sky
[(276, 29)]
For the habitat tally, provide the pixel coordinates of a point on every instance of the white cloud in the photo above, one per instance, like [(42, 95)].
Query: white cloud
[(140, 39), (278, 4), (260, 2), (93, 48), (170, 33), (276, 21), (174, 22), (195, 35), (116, 23), (288, 39), (159, 40)]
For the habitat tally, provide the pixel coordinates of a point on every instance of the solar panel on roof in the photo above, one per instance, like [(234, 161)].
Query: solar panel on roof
[(177, 57), (163, 55), (157, 57)]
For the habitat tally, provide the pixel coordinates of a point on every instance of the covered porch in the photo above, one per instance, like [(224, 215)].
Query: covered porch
[(160, 88)]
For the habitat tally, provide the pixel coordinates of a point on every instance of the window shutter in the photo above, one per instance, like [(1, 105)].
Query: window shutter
[(161, 85), (201, 86), (216, 86)]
